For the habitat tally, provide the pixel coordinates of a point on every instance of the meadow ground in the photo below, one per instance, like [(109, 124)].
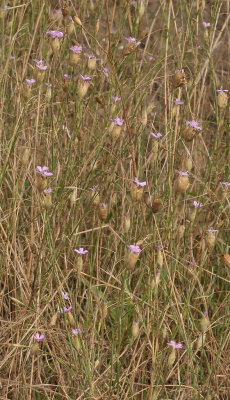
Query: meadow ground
[(114, 178)]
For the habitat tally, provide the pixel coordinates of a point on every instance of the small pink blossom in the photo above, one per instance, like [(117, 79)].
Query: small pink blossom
[(194, 124), (48, 84), (206, 24), (156, 135), (43, 170), (134, 249), (115, 98), (66, 76), (65, 295), (65, 309), (212, 230), (181, 173), (85, 78), (118, 121), (133, 40), (81, 251), (142, 184), (38, 337), (197, 204), (48, 191), (175, 345), (221, 90), (42, 67), (55, 34), (76, 331), (225, 183), (76, 49), (30, 81), (178, 102)]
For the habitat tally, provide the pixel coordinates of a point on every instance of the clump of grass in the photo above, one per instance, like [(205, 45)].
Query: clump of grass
[(114, 126)]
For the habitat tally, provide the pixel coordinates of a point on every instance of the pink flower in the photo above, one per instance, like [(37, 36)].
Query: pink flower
[(134, 249), (55, 34), (175, 345), (194, 124), (65, 309), (38, 338), (133, 40), (197, 204), (142, 184), (30, 81), (48, 84), (160, 247), (225, 183), (115, 98), (181, 173), (76, 331), (65, 295), (81, 251), (85, 78), (90, 56), (66, 76), (76, 49), (178, 102), (43, 170), (156, 135), (212, 230), (206, 24), (221, 90), (42, 67), (48, 191), (118, 121)]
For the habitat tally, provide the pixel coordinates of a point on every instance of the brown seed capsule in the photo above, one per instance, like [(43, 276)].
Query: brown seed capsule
[(136, 192), (226, 259), (127, 223), (77, 343), (179, 78), (54, 319), (47, 201), (157, 205), (77, 20)]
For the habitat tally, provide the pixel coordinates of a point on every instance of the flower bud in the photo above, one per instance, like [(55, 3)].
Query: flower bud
[(204, 322), (141, 9), (77, 20), (79, 264), (25, 157), (188, 163), (70, 27), (77, 343), (135, 330), (73, 197), (172, 358), (181, 231), (97, 27), (144, 117), (104, 310), (200, 341), (127, 223), (71, 319), (160, 258)]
